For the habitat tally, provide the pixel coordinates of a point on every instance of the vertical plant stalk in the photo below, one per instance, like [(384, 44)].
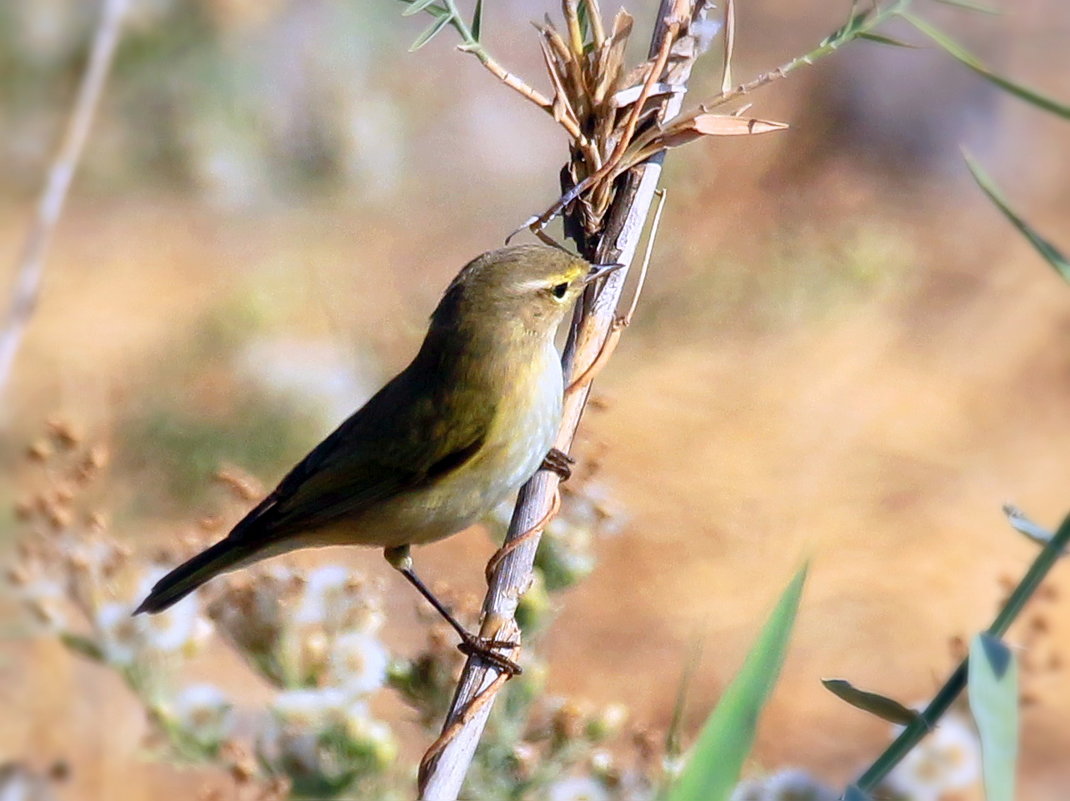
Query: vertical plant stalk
[(30, 267), (444, 766)]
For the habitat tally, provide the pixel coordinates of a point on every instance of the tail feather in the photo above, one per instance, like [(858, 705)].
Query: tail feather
[(184, 579)]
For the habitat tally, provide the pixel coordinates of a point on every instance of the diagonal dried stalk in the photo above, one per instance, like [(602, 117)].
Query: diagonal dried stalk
[(446, 763), (31, 263)]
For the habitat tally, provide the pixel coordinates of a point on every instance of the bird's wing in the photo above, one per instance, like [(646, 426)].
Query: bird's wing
[(399, 440)]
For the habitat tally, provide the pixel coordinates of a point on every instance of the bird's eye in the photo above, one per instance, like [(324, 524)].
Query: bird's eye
[(559, 290)]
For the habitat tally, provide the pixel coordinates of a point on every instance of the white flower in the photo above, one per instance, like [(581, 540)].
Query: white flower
[(948, 759), (577, 788), (322, 583), (332, 599), (120, 634), (371, 735), (203, 710), (358, 663), (601, 762), (310, 709), (175, 629)]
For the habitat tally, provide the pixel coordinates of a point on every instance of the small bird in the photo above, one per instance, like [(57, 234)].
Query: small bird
[(471, 418)]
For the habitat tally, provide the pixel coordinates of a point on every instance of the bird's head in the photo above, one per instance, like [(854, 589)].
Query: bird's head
[(528, 287)]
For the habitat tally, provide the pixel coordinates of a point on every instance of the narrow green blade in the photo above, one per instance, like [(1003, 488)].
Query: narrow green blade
[(415, 7), (1051, 254), (968, 6), (717, 758), (886, 40), (961, 54), (993, 693), (880, 705), (430, 33), (477, 20)]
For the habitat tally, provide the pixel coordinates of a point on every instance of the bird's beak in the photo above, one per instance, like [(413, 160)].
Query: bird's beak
[(600, 271)]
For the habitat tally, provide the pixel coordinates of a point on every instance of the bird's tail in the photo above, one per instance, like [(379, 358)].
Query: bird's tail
[(184, 579)]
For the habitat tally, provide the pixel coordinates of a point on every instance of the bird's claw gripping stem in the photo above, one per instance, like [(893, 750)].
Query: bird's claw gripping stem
[(559, 462), (472, 645)]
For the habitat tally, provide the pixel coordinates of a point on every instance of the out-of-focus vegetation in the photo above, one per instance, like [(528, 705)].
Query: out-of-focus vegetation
[(312, 639), (843, 351)]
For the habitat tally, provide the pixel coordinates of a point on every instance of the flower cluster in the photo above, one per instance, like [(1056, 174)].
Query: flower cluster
[(313, 637)]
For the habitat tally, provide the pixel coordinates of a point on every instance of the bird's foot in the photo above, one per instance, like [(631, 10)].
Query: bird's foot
[(474, 645), (559, 462)]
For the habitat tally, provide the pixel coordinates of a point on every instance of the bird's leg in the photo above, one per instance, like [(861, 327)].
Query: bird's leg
[(559, 462), (471, 644)]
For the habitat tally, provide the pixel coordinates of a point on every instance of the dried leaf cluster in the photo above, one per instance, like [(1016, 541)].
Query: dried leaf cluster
[(614, 116)]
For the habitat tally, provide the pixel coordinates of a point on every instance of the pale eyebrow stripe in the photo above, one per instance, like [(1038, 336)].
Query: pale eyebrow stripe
[(535, 283)]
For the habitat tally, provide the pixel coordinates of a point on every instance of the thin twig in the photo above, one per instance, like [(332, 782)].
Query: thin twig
[(31, 262), (443, 775)]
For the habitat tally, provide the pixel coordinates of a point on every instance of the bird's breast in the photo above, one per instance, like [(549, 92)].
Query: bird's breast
[(524, 427)]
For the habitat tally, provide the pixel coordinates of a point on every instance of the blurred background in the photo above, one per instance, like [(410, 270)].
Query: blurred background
[(844, 353)]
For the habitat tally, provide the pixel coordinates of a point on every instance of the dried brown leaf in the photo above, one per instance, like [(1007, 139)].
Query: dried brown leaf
[(569, 69), (561, 107), (625, 97), (610, 60), (594, 15), (715, 125)]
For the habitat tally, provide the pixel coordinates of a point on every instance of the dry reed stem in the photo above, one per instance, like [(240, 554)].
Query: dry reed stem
[(30, 269), (444, 767)]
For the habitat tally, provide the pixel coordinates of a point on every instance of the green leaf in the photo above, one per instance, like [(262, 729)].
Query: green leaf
[(966, 4), (583, 13), (725, 741), (415, 7), (958, 52), (672, 736), (883, 707), (82, 645), (1046, 249), (993, 694), (849, 29), (430, 33), (477, 20), (886, 40)]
